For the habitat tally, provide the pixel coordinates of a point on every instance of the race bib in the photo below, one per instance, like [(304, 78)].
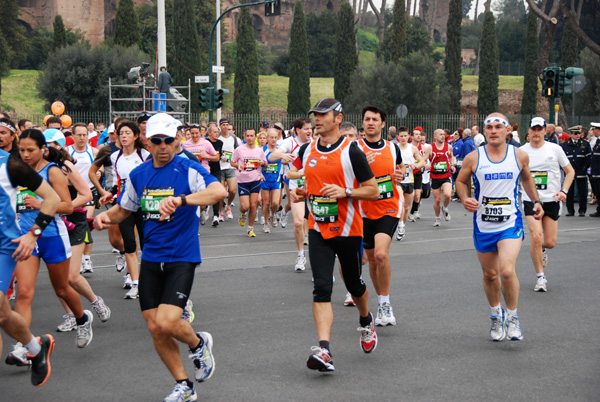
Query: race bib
[(386, 187), (228, 155), (198, 156), (123, 183), (440, 167), (540, 179), (23, 192), (324, 209), (271, 168), (301, 181), (151, 198), (496, 209), (250, 164)]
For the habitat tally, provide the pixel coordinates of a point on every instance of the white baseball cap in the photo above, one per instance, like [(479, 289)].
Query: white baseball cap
[(162, 124)]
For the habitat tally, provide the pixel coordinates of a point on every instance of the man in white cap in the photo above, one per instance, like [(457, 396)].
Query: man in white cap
[(546, 159), (169, 190)]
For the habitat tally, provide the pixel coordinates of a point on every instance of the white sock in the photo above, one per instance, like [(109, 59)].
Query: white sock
[(437, 217), (33, 346), (511, 312), (383, 299), (401, 224), (496, 310), (540, 275), (301, 253), (86, 257), (135, 283)]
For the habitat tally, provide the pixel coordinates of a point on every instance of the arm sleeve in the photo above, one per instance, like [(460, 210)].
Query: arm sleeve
[(22, 175), (360, 165)]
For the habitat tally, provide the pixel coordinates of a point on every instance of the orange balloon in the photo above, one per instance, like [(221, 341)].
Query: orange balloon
[(58, 107), (66, 120), (46, 118)]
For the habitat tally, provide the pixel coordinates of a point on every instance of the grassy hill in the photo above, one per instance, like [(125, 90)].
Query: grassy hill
[(19, 91)]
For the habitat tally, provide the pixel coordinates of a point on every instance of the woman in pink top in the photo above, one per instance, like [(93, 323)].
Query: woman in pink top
[(248, 160), (201, 147)]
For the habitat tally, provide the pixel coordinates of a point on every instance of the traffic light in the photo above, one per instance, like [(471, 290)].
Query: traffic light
[(273, 8), (549, 81), (204, 99), (219, 93), (565, 82)]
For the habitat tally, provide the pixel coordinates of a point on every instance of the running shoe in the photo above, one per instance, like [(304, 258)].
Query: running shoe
[(417, 215), (446, 214), (221, 217), (497, 331), (368, 337), (437, 222), (87, 267), (379, 316), (242, 219), (232, 204), (228, 212), (400, 232), (540, 285), (68, 324), (300, 262), (204, 362), (84, 332), (115, 251), (182, 393), (101, 309), (18, 356), (204, 216), (81, 267), (188, 314), (284, 219), (306, 239), (266, 228), (215, 221), (411, 218), (128, 282), (250, 232), (262, 220), (349, 301), (387, 316), (121, 263), (513, 328), (40, 363), (273, 221), (544, 257), (133, 293), (320, 359)]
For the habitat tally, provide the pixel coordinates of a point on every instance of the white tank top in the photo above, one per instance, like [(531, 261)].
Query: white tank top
[(496, 186), (84, 161), (407, 159)]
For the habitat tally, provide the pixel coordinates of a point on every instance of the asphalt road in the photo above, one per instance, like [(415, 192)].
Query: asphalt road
[(258, 310)]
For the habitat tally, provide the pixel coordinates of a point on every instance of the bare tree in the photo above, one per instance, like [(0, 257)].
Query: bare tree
[(380, 19)]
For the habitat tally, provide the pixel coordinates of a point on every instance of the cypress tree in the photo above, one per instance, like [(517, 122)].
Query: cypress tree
[(569, 47), (127, 26), (487, 99), (398, 39), (299, 71), (530, 79), (346, 54), (453, 54), (60, 35), (185, 48), (246, 69)]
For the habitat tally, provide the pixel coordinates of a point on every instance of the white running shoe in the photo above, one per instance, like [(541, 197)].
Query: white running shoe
[(446, 214), (437, 222), (84, 332), (540, 285), (411, 218), (221, 217), (81, 267), (300, 262), (349, 301), (101, 309), (273, 221), (182, 393), (417, 215), (121, 263), (128, 282), (133, 293), (379, 316), (266, 228), (284, 219), (228, 212), (262, 220), (18, 356), (68, 324), (513, 328), (497, 330), (400, 232), (87, 267), (115, 251), (204, 216), (204, 362), (215, 222), (387, 315)]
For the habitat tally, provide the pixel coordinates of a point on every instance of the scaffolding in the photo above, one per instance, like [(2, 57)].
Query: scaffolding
[(148, 98)]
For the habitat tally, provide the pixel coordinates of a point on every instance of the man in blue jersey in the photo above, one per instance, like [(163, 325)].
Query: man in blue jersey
[(169, 190), (498, 226), (15, 174)]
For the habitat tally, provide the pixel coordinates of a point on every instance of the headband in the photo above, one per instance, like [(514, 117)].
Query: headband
[(9, 126), (496, 120)]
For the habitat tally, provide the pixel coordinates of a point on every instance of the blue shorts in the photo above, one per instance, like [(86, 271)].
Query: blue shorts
[(486, 242), (270, 185), (245, 189), (53, 249), (7, 268)]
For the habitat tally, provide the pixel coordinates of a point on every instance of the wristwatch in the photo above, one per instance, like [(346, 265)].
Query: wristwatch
[(183, 200), (348, 192), (37, 232), (565, 192)]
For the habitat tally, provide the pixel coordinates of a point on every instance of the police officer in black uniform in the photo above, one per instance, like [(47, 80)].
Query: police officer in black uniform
[(595, 168), (579, 153)]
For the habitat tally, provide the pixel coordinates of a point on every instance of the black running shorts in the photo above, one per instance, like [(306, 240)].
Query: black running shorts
[(165, 283), (551, 209), (386, 224)]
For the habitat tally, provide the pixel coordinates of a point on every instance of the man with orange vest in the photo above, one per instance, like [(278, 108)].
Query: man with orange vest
[(337, 177), (380, 217)]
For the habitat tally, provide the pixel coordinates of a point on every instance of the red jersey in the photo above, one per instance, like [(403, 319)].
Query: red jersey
[(440, 162)]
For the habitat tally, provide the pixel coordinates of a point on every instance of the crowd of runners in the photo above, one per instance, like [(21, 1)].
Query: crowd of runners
[(152, 182)]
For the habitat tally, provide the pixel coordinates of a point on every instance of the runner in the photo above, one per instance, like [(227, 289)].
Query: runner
[(248, 159), (497, 224), (215, 166), (412, 161), (546, 159), (230, 143), (380, 217), (171, 248), (271, 185), (337, 176), (441, 166), (424, 149)]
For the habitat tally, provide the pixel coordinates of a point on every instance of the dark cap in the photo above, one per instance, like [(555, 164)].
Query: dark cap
[(537, 121), (223, 121), (143, 117), (264, 124), (327, 104), (575, 129)]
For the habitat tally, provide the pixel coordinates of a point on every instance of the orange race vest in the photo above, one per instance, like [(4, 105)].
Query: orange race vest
[(331, 217), (383, 169)]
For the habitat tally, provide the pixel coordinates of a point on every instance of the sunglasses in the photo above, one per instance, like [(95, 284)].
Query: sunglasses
[(159, 140)]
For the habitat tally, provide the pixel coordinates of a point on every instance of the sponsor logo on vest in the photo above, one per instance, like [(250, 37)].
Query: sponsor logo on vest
[(499, 176)]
